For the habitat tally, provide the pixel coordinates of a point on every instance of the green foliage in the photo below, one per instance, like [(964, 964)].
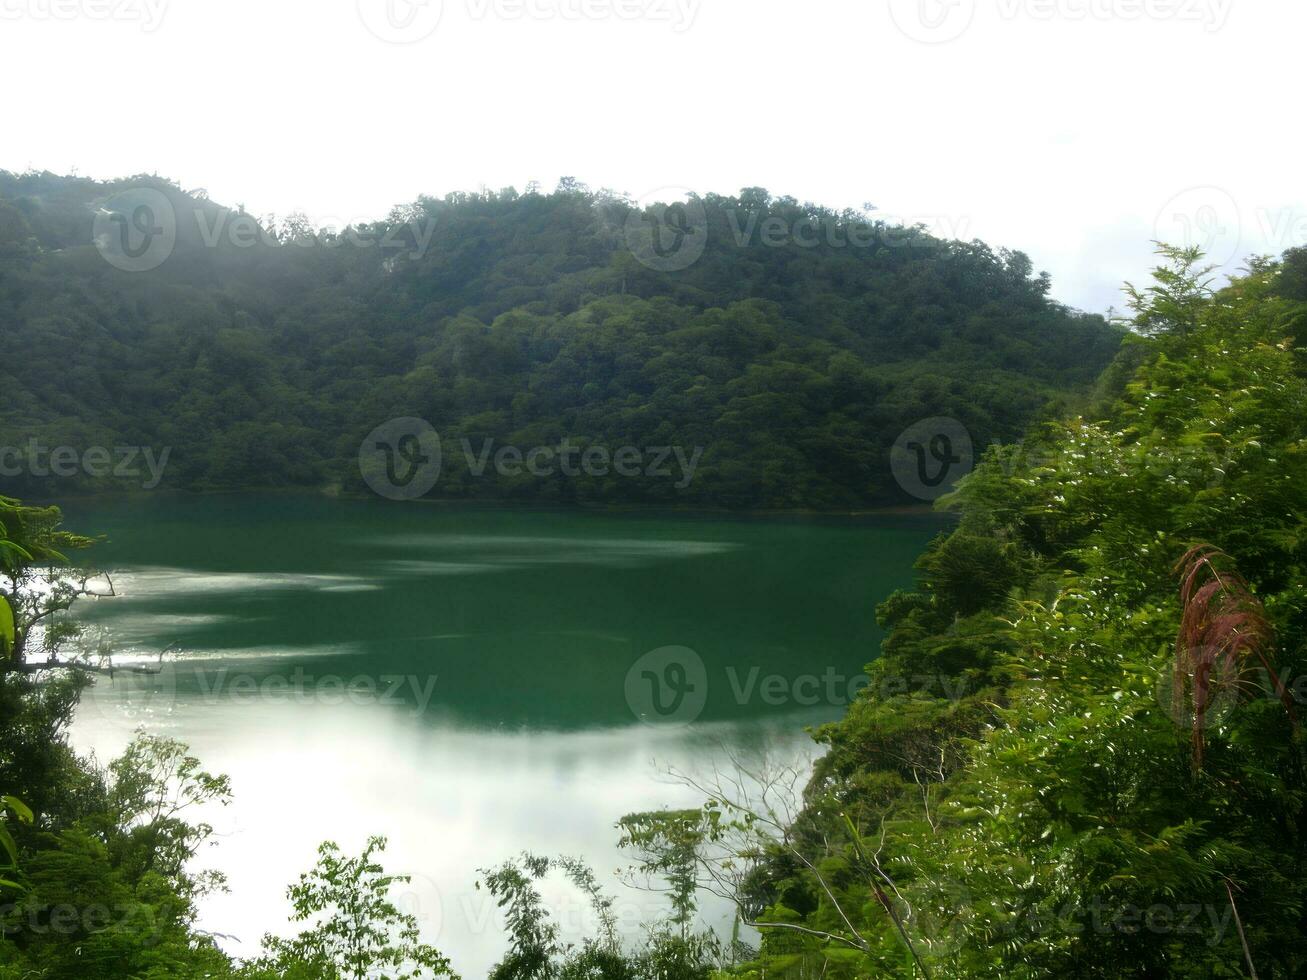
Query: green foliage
[(969, 572), (1049, 821), (523, 319), (357, 931), (104, 886), (671, 950), (532, 935), (667, 843), (153, 785), (37, 584), (8, 634), (1179, 292), (20, 811)]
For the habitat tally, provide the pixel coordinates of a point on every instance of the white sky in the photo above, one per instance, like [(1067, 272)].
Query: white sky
[(1075, 130)]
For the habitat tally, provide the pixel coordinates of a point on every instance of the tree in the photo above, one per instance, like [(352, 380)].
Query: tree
[(754, 823), (1051, 821), (357, 932), (536, 951), (523, 319), (39, 586), (1180, 290)]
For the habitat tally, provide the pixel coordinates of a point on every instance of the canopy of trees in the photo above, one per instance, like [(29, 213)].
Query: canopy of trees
[(262, 353), (1116, 786)]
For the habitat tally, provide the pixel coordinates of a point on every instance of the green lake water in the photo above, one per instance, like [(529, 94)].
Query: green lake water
[(470, 682)]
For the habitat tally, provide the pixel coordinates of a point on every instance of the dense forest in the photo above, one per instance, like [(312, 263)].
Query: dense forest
[(792, 351), (1115, 788)]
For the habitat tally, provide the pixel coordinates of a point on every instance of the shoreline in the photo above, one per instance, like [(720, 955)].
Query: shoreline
[(919, 510)]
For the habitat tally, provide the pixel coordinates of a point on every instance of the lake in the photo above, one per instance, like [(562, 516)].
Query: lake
[(469, 682)]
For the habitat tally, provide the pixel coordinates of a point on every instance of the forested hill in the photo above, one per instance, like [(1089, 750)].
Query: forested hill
[(793, 345)]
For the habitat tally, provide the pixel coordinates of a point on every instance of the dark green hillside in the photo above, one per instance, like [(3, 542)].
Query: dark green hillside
[(262, 353)]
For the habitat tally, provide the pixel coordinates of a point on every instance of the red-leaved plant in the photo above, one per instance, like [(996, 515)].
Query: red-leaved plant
[(1223, 633)]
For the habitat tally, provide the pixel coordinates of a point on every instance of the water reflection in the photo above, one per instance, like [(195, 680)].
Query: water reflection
[(451, 800), (469, 683)]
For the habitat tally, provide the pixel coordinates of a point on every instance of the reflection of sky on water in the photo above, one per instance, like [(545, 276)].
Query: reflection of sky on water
[(517, 632), (459, 554), (516, 550), (450, 801)]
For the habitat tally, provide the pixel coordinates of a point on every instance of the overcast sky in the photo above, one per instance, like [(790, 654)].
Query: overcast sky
[(1076, 130)]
